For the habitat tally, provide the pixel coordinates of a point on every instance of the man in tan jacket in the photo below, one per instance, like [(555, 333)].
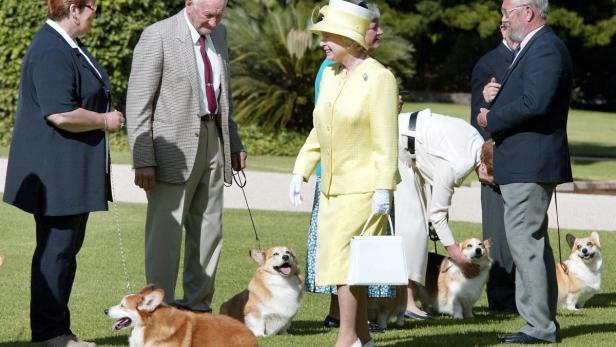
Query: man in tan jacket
[(184, 144)]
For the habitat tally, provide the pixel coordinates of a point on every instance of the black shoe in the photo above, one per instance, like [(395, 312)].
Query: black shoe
[(331, 322), (186, 308), (522, 338), (375, 328), (415, 316)]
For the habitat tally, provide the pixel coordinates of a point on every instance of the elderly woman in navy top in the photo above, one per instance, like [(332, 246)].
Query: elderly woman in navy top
[(58, 167)]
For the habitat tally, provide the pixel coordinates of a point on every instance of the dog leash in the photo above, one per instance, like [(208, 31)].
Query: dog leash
[(433, 235), (116, 215), (238, 176), (560, 256)]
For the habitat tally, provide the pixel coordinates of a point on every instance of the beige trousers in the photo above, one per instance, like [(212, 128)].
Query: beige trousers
[(197, 207)]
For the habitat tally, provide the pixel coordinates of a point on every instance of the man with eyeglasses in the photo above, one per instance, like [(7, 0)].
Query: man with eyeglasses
[(528, 120)]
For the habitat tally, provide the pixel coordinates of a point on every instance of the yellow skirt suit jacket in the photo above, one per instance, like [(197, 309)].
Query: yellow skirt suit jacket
[(355, 139)]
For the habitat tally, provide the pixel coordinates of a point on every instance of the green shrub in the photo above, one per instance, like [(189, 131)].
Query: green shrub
[(280, 142), (19, 20), (256, 140), (274, 60), (114, 34)]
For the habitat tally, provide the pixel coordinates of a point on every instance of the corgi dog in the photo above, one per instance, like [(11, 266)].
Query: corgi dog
[(273, 296), (447, 291), (381, 310), (155, 324), (579, 277)]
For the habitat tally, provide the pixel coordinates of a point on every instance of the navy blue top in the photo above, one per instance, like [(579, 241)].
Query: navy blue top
[(493, 64), (53, 172), (528, 119)]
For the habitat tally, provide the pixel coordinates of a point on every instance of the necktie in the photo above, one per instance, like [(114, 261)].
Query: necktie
[(210, 94), (516, 52)]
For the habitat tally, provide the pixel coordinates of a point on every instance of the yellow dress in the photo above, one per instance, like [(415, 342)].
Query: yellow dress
[(355, 137)]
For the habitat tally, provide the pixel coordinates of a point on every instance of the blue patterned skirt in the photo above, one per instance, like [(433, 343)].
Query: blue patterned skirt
[(383, 291)]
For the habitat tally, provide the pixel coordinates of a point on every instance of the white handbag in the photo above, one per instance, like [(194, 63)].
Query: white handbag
[(377, 259)]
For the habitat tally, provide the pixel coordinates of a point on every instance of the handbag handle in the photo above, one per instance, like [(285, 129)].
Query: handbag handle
[(391, 226)]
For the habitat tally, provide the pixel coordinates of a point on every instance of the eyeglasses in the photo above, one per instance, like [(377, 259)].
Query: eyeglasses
[(507, 12)]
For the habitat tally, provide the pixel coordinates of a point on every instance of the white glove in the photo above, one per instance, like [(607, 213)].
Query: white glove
[(295, 189), (380, 202)]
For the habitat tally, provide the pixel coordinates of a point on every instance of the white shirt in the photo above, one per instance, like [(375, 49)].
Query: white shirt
[(211, 54), (507, 45), (71, 42), (447, 149), (525, 41)]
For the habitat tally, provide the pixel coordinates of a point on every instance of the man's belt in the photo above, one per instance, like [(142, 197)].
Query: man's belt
[(411, 139), (209, 117)]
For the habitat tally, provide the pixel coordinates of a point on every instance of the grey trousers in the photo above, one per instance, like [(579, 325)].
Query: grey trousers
[(526, 224), (195, 206)]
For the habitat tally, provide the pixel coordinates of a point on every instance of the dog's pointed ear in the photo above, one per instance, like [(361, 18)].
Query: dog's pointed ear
[(445, 265), (594, 236), (147, 289), (488, 246), (258, 256), (570, 240), (487, 243), (152, 300), (293, 254)]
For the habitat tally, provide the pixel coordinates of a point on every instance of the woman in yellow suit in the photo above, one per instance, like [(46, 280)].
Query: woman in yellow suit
[(355, 138)]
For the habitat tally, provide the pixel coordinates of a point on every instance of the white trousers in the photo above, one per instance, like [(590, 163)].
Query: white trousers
[(411, 221)]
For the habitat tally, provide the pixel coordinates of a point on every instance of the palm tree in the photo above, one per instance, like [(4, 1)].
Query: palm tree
[(274, 59)]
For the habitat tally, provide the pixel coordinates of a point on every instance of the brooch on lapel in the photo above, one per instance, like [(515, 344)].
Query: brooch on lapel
[(365, 76)]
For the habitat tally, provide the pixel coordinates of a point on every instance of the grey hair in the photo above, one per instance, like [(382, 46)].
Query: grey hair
[(196, 2), (541, 6), (375, 13)]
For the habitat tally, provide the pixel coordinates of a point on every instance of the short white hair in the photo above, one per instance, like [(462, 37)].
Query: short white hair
[(375, 13), (541, 6), (196, 2)]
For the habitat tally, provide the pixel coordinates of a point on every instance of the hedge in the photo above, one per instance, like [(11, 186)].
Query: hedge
[(114, 34), (256, 140)]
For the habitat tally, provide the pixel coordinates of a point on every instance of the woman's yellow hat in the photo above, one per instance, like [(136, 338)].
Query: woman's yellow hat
[(345, 19)]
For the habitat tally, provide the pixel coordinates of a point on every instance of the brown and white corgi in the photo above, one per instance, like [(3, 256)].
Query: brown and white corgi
[(155, 324), (381, 310), (447, 291), (579, 277), (273, 296)]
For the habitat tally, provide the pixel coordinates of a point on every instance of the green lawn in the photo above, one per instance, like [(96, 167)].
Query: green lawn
[(100, 284)]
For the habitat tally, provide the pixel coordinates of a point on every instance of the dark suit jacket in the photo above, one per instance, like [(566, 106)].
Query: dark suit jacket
[(493, 64), (50, 171), (528, 118)]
